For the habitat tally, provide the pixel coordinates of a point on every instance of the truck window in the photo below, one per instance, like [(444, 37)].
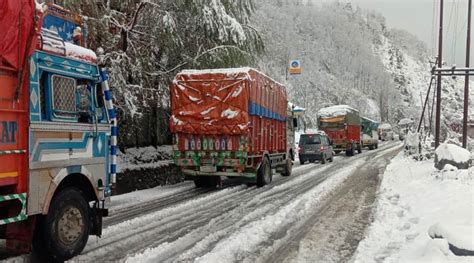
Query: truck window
[(310, 139), (83, 101), (64, 93)]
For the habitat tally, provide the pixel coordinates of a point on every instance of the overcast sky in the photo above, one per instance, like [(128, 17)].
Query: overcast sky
[(416, 16)]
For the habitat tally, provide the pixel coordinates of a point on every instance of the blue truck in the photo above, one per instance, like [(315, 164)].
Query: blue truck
[(59, 141)]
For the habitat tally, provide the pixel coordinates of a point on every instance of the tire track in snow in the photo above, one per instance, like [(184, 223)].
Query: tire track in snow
[(223, 208), (230, 221)]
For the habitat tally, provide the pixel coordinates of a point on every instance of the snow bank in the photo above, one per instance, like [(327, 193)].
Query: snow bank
[(452, 152), (335, 111), (413, 197), (462, 237)]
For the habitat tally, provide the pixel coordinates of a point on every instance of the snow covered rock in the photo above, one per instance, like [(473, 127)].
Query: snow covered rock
[(459, 237), (452, 154)]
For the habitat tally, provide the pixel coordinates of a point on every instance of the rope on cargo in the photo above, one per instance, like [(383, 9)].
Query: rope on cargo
[(113, 122)]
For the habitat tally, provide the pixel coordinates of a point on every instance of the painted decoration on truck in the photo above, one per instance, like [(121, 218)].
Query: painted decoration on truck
[(8, 132)]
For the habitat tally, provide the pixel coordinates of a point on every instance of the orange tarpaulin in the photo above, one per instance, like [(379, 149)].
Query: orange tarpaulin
[(217, 102), (17, 32)]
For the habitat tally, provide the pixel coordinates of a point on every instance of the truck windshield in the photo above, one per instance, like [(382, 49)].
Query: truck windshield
[(310, 139)]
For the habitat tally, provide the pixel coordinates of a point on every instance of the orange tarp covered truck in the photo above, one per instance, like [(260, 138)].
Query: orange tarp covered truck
[(230, 122)]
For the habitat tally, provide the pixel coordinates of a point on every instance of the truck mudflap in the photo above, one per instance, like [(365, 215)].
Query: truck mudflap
[(21, 215)]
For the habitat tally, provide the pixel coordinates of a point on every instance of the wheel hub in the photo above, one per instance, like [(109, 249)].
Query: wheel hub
[(70, 226)]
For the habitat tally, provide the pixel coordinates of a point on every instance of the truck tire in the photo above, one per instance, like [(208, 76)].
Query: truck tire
[(199, 182), (64, 231), (264, 173), (337, 152), (376, 146), (350, 152), (302, 160), (359, 148), (323, 159), (206, 182), (288, 168)]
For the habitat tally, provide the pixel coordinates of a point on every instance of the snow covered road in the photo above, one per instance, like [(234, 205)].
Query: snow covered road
[(320, 210), (243, 223)]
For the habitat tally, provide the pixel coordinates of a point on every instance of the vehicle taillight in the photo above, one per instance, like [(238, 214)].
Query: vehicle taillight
[(322, 148)]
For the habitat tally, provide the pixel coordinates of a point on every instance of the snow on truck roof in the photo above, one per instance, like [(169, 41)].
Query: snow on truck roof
[(368, 119), (80, 53), (334, 111), (225, 71)]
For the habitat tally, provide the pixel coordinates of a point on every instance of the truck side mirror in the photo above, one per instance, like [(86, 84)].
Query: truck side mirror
[(295, 122)]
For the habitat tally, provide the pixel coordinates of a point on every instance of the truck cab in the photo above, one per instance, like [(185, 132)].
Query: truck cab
[(56, 171)]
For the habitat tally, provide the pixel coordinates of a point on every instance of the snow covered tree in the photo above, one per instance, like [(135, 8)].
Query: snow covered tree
[(143, 43)]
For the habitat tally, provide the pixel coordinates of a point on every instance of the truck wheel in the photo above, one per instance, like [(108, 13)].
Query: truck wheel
[(64, 231), (323, 159), (371, 147), (207, 182), (337, 152), (350, 152), (359, 148), (288, 168), (264, 174), (302, 161), (199, 182), (376, 146)]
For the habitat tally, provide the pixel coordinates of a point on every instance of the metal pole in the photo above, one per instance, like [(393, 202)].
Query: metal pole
[(466, 80), (440, 64), (424, 105)]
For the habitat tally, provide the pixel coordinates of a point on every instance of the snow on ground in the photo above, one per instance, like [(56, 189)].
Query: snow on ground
[(414, 197), (143, 196), (247, 240)]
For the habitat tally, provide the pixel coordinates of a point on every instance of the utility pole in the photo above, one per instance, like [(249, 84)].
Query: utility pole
[(466, 80), (440, 64)]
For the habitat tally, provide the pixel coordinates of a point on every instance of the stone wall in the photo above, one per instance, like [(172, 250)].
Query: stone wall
[(144, 178)]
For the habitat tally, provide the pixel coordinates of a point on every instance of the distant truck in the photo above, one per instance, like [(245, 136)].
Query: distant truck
[(342, 124), (370, 137), (233, 123), (385, 131), (57, 143)]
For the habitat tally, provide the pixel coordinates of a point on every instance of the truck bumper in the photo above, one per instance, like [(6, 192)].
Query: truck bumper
[(229, 174), (310, 156)]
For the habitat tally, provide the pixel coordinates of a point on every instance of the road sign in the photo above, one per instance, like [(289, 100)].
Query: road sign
[(295, 67)]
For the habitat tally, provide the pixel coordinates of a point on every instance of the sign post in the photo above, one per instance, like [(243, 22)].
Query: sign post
[(295, 67)]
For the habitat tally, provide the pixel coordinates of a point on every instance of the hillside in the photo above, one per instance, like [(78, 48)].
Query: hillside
[(385, 77)]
